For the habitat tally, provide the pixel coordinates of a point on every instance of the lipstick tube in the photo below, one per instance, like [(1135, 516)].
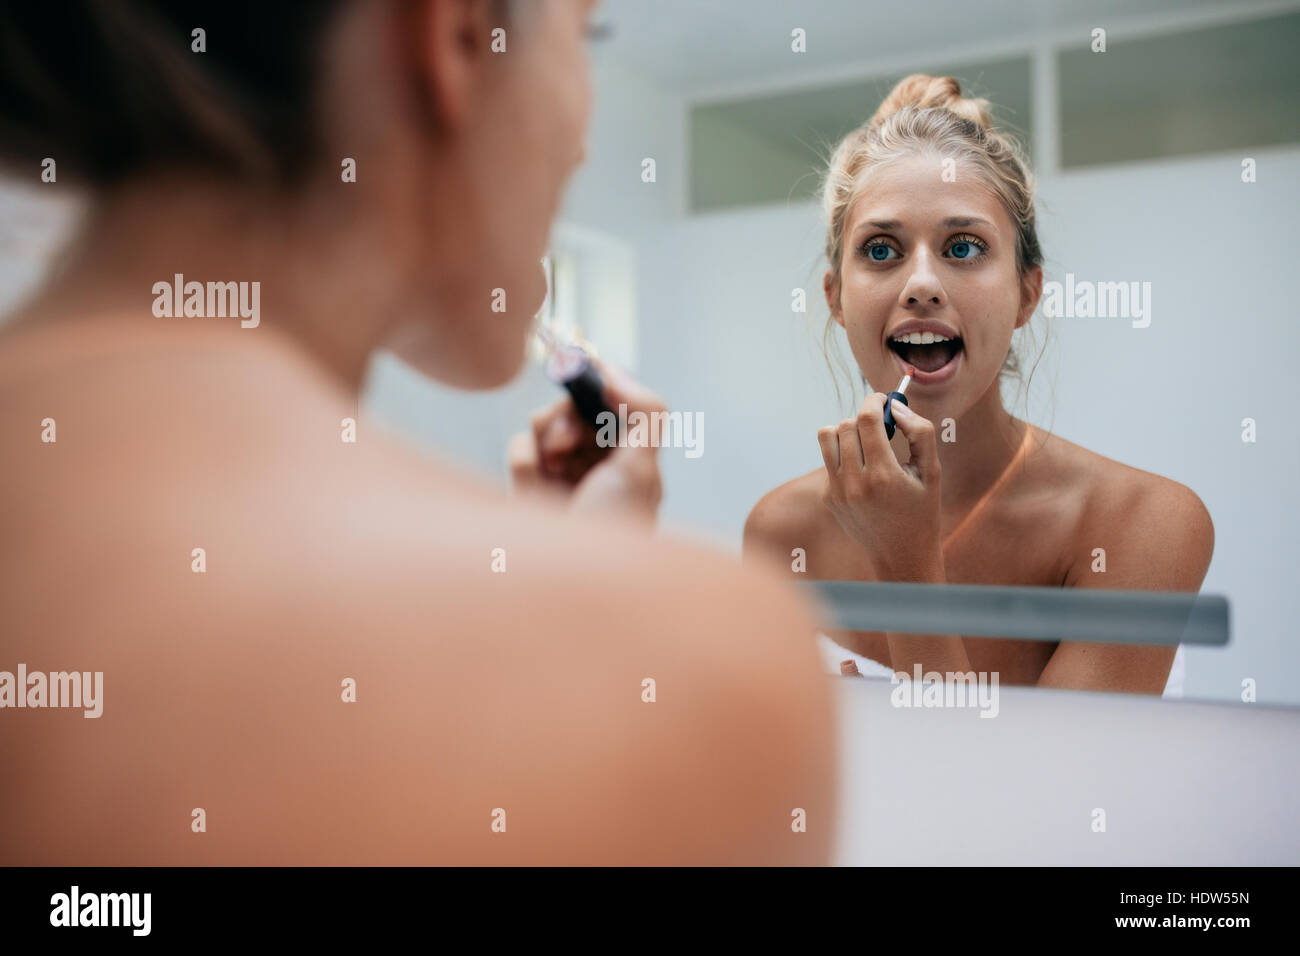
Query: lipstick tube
[(896, 396), (571, 367)]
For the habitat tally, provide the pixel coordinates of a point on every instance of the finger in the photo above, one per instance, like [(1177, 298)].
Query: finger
[(621, 388), (829, 440), (521, 457), (541, 420), (871, 432), (557, 432), (851, 461), (573, 468), (919, 433), (849, 668), (563, 434), (542, 417)]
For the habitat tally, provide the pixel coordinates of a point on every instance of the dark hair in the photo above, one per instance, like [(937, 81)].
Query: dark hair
[(113, 88)]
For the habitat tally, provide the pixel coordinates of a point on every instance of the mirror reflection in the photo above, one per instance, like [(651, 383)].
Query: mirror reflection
[(1040, 230)]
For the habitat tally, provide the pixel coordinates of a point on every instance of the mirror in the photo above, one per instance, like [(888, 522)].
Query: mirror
[(707, 160)]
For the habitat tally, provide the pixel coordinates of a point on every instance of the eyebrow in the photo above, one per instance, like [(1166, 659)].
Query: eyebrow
[(953, 222)]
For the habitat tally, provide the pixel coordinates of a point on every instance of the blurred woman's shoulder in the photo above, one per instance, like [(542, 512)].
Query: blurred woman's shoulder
[(239, 537), (162, 446)]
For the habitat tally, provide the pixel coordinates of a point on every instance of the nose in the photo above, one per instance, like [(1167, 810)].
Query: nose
[(922, 286)]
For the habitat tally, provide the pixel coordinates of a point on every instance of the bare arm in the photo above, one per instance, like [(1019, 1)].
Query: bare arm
[(1160, 540)]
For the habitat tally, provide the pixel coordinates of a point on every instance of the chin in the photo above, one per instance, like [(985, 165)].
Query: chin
[(502, 370), (472, 366)]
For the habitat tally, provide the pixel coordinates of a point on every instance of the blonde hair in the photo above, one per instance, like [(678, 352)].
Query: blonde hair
[(927, 113)]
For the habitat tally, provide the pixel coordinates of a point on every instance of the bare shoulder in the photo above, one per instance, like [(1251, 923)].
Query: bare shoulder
[(383, 652), (788, 515), (1158, 529)]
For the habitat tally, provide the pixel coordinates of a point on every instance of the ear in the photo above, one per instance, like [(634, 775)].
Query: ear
[(831, 287), (452, 42), (1031, 288)]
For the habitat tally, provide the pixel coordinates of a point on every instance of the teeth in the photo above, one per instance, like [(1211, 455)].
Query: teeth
[(920, 338)]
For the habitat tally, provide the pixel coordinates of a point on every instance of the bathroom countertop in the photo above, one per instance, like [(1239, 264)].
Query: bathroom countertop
[(1180, 782)]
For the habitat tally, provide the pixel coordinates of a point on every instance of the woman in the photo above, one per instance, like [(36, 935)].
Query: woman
[(323, 650), (934, 262)]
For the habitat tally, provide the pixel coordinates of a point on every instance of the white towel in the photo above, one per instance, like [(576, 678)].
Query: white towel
[(833, 654)]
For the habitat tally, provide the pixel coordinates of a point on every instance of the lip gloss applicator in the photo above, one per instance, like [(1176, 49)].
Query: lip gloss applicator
[(896, 396), (570, 366), (565, 362)]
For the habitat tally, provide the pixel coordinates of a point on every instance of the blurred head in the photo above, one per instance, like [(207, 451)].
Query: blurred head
[(931, 237), (464, 119), (502, 132)]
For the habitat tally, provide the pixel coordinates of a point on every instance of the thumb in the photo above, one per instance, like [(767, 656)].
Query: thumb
[(919, 433), (621, 388)]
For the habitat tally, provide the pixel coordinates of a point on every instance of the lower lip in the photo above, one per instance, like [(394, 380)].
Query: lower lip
[(937, 377)]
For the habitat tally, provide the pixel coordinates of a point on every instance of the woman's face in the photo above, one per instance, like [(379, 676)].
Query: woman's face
[(487, 208), (937, 258)]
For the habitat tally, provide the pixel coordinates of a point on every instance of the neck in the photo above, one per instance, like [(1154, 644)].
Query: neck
[(318, 286), (984, 440)]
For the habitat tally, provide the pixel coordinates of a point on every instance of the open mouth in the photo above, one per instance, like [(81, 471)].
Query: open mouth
[(927, 351)]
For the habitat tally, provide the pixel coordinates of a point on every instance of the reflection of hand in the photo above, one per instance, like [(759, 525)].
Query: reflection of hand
[(892, 510), (562, 455)]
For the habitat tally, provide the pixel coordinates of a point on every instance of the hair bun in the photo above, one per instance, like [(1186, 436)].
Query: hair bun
[(923, 91)]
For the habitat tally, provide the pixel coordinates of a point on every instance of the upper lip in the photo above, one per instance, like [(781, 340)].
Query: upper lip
[(922, 325)]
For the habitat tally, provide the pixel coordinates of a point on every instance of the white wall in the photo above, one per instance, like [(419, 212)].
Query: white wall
[(34, 219)]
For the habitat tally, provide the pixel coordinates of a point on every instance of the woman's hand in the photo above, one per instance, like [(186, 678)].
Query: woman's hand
[(561, 455), (892, 510)]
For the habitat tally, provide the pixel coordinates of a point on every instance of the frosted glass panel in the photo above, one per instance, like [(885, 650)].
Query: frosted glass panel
[(1201, 91), (772, 149)]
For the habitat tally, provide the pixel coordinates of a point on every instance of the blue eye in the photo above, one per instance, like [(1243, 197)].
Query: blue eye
[(880, 252), (970, 248)]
